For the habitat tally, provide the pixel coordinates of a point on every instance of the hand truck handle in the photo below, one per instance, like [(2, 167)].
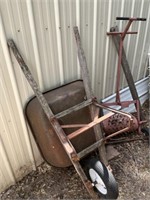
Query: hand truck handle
[(128, 18)]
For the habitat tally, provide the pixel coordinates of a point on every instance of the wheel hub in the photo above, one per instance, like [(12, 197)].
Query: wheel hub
[(98, 182)]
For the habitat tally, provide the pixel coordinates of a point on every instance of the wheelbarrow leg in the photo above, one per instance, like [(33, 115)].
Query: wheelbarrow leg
[(89, 94)]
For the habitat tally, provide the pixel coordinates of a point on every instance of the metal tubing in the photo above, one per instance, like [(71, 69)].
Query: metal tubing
[(120, 59), (131, 18), (119, 33), (127, 28), (126, 69), (123, 104), (117, 133), (90, 125), (114, 111)]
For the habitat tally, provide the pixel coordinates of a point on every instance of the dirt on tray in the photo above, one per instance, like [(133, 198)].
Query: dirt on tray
[(131, 170)]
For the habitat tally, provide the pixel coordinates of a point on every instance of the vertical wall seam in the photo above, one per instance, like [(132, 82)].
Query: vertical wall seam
[(121, 14), (107, 48), (40, 23), (119, 28), (78, 24), (13, 127), (6, 161), (8, 138), (144, 41), (71, 41), (128, 37), (51, 57), (137, 39), (65, 37), (34, 41), (21, 21), (94, 43), (59, 44), (15, 89)]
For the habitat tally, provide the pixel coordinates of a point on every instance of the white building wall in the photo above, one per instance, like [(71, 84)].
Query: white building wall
[(43, 32)]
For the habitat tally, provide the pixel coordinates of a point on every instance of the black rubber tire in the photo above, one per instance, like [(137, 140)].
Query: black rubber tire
[(106, 176), (145, 130)]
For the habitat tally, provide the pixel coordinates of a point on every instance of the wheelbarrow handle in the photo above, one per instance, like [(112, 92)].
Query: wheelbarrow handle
[(129, 18), (30, 79)]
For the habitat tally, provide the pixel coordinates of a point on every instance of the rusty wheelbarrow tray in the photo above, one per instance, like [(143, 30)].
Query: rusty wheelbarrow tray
[(66, 125)]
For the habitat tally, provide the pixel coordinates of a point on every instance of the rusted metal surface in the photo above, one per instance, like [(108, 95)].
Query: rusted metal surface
[(120, 51), (113, 110), (118, 38), (70, 94), (89, 126), (126, 68), (50, 145), (118, 122), (126, 123)]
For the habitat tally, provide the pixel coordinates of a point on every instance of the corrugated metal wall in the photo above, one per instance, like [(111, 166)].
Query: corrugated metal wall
[(43, 32)]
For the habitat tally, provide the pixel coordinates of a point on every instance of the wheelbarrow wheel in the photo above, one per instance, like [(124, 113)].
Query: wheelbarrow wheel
[(102, 179)]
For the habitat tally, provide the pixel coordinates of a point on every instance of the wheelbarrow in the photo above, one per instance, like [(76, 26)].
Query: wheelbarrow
[(66, 125)]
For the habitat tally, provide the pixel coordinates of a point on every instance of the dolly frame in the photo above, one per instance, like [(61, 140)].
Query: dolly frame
[(118, 101), (94, 107)]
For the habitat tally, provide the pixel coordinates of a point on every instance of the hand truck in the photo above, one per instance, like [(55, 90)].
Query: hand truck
[(118, 101)]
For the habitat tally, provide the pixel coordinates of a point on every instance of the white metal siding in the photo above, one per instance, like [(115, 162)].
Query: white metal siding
[(125, 95), (43, 32)]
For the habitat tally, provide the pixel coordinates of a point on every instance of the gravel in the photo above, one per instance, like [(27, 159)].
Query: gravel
[(131, 170)]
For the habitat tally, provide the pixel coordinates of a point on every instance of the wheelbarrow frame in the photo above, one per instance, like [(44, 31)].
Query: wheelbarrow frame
[(94, 107)]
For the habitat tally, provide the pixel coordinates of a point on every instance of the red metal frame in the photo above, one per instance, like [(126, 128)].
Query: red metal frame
[(118, 101)]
